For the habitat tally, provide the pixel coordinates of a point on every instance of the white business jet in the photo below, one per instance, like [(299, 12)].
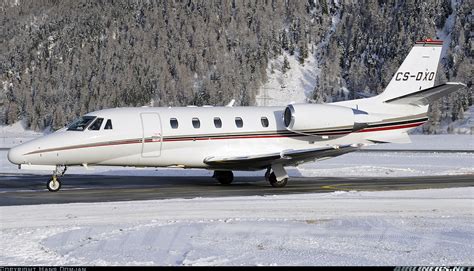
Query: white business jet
[(242, 138)]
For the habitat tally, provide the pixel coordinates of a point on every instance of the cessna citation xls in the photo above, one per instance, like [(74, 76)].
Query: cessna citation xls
[(242, 138)]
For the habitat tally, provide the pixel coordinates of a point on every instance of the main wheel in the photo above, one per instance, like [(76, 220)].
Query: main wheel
[(224, 177), (53, 184), (275, 183)]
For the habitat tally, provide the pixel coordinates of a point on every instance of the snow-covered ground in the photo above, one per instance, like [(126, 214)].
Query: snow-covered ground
[(296, 85), (461, 126), (420, 227), (392, 165), (460, 142), (16, 134)]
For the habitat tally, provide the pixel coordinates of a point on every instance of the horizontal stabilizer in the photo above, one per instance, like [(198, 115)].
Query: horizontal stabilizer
[(429, 95), (390, 137)]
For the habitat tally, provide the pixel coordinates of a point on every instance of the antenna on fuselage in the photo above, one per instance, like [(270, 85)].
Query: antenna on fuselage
[(231, 103)]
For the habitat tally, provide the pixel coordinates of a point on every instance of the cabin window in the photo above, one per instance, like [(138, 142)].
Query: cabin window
[(174, 123), (96, 125), (239, 122), (217, 122), (264, 121), (81, 123), (108, 125), (196, 123)]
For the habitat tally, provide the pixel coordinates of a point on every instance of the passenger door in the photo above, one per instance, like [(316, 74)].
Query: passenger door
[(152, 137)]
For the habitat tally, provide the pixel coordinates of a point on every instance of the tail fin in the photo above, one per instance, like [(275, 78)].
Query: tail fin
[(417, 72)]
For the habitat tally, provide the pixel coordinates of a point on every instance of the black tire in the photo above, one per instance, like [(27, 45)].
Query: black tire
[(267, 175), (275, 183), (53, 186), (224, 177)]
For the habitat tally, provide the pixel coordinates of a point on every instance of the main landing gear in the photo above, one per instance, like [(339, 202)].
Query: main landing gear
[(276, 175), (225, 177), (54, 184)]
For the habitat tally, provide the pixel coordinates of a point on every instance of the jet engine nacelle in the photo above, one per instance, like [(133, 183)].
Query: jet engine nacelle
[(305, 117)]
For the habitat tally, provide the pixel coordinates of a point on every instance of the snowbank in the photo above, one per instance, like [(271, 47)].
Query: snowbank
[(421, 227), (16, 134)]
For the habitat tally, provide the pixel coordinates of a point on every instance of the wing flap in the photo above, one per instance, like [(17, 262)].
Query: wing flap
[(286, 157), (429, 95)]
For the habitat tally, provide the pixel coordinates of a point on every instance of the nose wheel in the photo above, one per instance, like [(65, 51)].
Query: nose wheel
[(53, 184)]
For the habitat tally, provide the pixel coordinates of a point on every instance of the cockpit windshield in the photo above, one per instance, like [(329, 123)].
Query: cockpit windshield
[(81, 123)]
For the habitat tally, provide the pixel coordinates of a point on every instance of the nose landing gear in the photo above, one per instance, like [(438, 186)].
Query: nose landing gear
[(54, 184)]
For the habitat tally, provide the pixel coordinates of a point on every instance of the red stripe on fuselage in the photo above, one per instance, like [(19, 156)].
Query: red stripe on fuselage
[(221, 138), (391, 127)]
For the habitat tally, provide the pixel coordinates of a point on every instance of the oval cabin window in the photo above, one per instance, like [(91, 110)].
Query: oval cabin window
[(174, 123), (264, 121), (217, 122), (196, 123), (239, 122)]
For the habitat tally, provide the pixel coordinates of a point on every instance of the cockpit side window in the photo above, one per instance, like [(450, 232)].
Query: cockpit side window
[(108, 125), (81, 123), (96, 125)]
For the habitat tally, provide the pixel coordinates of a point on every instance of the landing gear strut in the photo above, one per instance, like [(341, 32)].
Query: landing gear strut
[(54, 184), (277, 176), (224, 177)]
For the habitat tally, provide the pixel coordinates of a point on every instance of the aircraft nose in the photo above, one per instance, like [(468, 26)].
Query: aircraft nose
[(15, 156)]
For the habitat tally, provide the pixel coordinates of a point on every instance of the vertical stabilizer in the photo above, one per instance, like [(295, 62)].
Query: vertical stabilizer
[(417, 72)]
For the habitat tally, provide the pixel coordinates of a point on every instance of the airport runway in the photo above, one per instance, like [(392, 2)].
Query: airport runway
[(30, 189)]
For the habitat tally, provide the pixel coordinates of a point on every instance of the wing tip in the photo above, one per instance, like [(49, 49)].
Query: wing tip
[(456, 83)]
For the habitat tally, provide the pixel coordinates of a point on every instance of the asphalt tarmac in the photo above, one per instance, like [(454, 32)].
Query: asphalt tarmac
[(31, 189)]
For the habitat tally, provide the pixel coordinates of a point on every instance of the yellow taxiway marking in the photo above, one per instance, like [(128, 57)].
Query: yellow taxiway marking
[(336, 187)]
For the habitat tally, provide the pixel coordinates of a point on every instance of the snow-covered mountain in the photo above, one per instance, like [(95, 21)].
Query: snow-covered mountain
[(62, 59)]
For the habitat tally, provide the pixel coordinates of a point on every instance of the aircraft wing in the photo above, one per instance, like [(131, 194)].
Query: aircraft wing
[(429, 95), (286, 157)]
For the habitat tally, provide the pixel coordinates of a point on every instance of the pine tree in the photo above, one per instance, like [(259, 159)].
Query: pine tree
[(303, 50), (286, 65), (291, 48), (284, 41), (435, 118)]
